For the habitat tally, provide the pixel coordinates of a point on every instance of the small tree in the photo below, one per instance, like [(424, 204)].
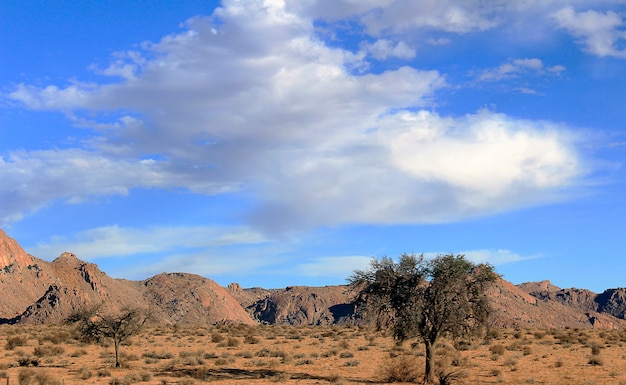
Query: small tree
[(95, 325), (427, 299)]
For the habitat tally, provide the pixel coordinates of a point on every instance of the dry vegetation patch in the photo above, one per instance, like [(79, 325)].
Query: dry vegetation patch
[(242, 354)]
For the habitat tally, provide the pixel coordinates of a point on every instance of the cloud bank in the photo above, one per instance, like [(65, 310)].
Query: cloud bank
[(253, 99)]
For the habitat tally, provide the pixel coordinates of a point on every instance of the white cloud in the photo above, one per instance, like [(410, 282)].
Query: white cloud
[(440, 15), (485, 153), (519, 67), (495, 257), (256, 101), (339, 267), (600, 33), (115, 241), (382, 49), (33, 179)]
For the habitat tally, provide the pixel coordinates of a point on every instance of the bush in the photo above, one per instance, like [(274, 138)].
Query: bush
[(33, 377), (596, 361), (84, 373), (401, 369), (15, 341), (217, 337), (251, 339), (497, 350), (595, 350), (27, 361), (56, 338), (48, 350), (232, 342), (158, 355)]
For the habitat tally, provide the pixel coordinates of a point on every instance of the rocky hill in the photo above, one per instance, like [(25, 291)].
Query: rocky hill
[(37, 291), (611, 301), (298, 305)]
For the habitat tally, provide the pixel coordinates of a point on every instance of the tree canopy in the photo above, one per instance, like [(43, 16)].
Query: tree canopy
[(426, 298), (94, 324)]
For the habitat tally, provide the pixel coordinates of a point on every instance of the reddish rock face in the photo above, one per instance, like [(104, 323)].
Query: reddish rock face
[(11, 253), (37, 291)]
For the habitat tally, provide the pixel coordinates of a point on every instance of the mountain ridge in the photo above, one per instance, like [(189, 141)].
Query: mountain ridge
[(37, 292)]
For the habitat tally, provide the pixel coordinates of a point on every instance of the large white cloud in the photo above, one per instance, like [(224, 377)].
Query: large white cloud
[(250, 98)]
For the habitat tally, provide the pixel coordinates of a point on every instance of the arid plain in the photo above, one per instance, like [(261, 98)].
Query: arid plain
[(244, 354)]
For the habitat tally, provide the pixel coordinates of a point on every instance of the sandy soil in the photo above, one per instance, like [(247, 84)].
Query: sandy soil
[(240, 354)]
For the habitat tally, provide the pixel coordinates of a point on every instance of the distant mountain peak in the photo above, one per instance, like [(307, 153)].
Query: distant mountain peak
[(11, 253)]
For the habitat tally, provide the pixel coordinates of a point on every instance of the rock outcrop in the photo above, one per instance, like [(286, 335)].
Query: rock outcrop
[(190, 298), (300, 305), (12, 256), (611, 301)]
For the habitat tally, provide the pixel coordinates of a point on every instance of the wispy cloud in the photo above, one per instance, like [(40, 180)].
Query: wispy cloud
[(115, 241), (601, 33), (519, 67), (496, 257), (382, 49), (339, 267)]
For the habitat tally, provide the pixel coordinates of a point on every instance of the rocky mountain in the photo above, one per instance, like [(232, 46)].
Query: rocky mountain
[(37, 291), (514, 307), (611, 301), (298, 305), (190, 298)]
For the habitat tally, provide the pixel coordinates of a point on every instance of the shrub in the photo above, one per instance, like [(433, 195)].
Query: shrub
[(158, 355), (48, 350), (595, 350), (401, 369), (595, 361), (217, 337), (78, 353), (305, 362), (27, 361), (233, 342), (84, 373), (251, 339), (56, 338), (497, 350), (15, 341), (32, 377)]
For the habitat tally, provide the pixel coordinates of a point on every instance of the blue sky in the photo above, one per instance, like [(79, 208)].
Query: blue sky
[(276, 143)]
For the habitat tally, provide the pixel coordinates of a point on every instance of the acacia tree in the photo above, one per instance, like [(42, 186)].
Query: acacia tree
[(426, 299), (95, 325)]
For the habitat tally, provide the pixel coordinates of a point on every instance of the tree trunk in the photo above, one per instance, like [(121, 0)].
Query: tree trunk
[(117, 359), (429, 371)]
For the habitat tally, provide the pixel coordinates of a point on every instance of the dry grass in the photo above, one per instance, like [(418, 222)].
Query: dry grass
[(263, 355)]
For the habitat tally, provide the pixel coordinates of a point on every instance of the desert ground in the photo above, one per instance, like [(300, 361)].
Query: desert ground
[(243, 354)]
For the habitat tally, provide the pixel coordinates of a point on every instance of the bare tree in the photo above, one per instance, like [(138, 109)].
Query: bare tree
[(426, 299), (95, 325)]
